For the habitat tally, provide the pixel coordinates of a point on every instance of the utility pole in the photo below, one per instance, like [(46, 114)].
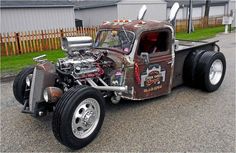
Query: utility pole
[(190, 23), (206, 14)]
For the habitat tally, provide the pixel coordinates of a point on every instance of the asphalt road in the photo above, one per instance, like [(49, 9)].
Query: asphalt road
[(186, 120)]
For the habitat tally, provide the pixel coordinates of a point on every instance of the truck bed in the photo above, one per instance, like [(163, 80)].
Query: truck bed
[(184, 48), (189, 45)]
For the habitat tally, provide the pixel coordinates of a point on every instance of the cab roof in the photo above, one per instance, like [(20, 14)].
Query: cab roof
[(136, 26)]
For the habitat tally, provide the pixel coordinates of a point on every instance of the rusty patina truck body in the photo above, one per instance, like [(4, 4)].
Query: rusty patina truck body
[(133, 60), (164, 70)]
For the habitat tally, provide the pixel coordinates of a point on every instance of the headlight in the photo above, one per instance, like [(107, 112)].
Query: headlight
[(45, 95), (28, 80), (52, 94)]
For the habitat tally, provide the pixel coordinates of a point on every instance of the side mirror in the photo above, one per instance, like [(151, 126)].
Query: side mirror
[(173, 13), (142, 12), (145, 57)]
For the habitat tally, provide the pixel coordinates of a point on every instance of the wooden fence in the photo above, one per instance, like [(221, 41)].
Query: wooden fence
[(34, 41), (182, 25)]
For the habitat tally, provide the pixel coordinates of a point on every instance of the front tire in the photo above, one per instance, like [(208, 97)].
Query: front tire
[(19, 84), (78, 116)]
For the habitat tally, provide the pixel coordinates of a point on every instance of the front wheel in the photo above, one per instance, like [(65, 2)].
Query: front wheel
[(78, 116), (19, 84)]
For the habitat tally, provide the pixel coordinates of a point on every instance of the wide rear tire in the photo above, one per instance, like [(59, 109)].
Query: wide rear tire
[(190, 66), (78, 116), (210, 70), (19, 84)]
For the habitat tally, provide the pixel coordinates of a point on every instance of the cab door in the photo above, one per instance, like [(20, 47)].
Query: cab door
[(153, 68)]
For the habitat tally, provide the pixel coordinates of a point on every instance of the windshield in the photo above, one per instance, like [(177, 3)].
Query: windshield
[(120, 40)]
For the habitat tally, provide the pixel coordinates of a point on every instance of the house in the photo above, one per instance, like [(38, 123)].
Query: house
[(94, 12), (217, 8), (19, 15), (22, 15)]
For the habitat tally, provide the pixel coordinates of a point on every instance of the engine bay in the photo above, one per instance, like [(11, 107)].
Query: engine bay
[(82, 64)]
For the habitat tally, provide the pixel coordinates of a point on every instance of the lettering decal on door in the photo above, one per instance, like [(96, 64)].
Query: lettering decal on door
[(152, 78)]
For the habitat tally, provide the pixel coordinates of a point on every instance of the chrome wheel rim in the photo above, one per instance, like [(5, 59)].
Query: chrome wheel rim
[(28, 80), (85, 118), (216, 72)]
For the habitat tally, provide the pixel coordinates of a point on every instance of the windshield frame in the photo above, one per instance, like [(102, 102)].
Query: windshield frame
[(113, 48)]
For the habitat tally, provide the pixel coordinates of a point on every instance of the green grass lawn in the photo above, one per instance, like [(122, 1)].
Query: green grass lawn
[(13, 64), (200, 34)]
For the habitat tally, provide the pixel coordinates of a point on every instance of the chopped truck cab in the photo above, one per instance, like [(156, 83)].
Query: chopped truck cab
[(134, 60)]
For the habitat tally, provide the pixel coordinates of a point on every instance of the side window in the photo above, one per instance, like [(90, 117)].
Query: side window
[(154, 42)]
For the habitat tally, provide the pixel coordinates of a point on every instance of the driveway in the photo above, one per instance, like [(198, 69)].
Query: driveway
[(186, 120)]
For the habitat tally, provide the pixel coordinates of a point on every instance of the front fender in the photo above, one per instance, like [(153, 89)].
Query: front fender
[(44, 75)]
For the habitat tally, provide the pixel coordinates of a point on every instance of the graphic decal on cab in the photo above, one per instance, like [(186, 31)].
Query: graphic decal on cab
[(152, 78)]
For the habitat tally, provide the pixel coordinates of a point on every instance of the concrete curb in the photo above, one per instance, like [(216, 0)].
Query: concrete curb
[(8, 78)]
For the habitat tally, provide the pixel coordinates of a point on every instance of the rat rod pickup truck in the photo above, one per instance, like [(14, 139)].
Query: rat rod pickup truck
[(133, 60)]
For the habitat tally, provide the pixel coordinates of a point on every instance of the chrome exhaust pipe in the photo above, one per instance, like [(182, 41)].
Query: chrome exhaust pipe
[(106, 87), (112, 88), (173, 13)]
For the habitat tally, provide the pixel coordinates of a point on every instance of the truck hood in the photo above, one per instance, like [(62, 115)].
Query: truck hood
[(118, 57)]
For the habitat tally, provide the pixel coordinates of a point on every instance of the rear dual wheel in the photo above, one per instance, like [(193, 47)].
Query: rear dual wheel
[(190, 66), (205, 69), (211, 70), (78, 116)]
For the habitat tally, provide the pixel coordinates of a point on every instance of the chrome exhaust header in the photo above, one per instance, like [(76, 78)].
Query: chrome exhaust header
[(106, 87)]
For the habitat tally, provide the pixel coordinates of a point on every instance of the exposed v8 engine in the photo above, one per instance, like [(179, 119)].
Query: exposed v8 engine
[(84, 64)]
